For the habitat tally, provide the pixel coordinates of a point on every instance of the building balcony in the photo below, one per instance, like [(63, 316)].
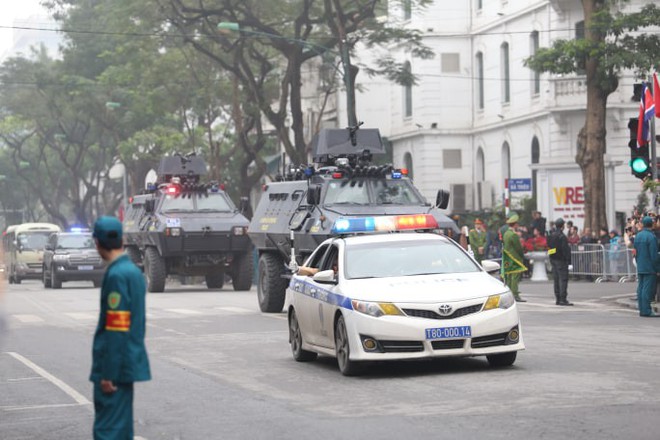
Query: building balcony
[(568, 92)]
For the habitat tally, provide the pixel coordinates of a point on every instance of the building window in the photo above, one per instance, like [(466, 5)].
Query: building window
[(506, 161), (407, 93), (451, 159), (579, 35), (408, 164), (481, 165), (451, 62), (506, 80), (480, 5), (407, 9), (480, 79), (536, 156), (536, 76)]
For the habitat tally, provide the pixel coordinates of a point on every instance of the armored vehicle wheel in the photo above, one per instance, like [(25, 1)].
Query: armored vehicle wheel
[(45, 277), (17, 280), (271, 288), (242, 268), (55, 281), (135, 255), (155, 270), (215, 280)]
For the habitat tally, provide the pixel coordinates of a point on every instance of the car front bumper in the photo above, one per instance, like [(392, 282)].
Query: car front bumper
[(74, 274)]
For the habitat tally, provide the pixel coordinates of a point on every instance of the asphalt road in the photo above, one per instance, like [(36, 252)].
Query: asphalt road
[(222, 369)]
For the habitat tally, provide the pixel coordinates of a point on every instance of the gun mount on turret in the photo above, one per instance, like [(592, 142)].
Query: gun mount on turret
[(307, 199)]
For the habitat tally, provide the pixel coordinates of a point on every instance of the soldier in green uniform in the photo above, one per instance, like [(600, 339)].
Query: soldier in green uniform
[(512, 257), (119, 354), (478, 240)]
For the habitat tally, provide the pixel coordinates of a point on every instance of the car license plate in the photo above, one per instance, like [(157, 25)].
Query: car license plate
[(449, 332), (85, 267)]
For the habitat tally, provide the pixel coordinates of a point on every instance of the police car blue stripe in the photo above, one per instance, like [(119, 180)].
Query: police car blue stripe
[(298, 286)]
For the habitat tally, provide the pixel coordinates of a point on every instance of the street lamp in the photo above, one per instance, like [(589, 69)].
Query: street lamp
[(226, 26)]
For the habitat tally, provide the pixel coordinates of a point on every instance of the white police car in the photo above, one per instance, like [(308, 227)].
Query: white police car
[(404, 295)]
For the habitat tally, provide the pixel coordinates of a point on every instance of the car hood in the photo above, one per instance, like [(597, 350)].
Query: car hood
[(425, 288)]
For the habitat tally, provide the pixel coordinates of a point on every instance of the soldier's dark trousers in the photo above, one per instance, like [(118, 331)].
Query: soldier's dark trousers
[(645, 292), (560, 277), (113, 418)]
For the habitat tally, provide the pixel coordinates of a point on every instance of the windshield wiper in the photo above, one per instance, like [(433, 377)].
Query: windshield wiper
[(212, 210)]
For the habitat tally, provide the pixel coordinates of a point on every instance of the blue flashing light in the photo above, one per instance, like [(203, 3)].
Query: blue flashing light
[(396, 174), (151, 187), (309, 171), (215, 189), (78, 230)]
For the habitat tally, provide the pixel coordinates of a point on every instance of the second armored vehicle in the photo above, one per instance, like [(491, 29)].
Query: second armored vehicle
[(185, 227), (305, 204)]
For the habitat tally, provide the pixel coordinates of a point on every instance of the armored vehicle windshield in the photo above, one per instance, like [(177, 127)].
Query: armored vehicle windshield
[(193, 202), (371, 192)]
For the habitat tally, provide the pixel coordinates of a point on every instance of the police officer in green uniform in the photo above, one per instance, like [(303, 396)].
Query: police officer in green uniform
[(119, 354), (478, 240), (512, 257), (646, 256)]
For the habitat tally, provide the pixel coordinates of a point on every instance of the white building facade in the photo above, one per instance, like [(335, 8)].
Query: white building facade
[(478, 116)]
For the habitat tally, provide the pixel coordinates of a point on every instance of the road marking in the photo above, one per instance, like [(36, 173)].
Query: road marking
[(185, 311), (29, 318), (25, 379), (238, 310), (25, 407), (81, 316), (75, 395), (275, 315)]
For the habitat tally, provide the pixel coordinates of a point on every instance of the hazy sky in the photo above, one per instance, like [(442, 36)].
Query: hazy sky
[(20, 10)]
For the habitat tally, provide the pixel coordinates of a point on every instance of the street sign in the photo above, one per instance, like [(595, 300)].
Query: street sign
[(519, 185)]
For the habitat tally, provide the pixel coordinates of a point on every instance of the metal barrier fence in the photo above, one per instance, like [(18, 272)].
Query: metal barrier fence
[(603, 262)]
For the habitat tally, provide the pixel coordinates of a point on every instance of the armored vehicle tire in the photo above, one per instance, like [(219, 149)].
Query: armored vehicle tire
[(45, 277), (155, 270), (215, 280), (135, 255), (241, 276), (271, 288), (55, 281)]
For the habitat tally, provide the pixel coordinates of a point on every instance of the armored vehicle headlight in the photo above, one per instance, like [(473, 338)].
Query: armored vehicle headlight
[(60, 257), (173, 232), (239, 230)]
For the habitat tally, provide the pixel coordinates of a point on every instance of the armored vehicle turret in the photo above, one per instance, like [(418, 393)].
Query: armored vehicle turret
[(181, 226), (308, 199)]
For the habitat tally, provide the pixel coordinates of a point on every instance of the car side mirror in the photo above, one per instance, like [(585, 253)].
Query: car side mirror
[(325, 277), (149, 206), (314, 195), (442, 199), (490, 266)]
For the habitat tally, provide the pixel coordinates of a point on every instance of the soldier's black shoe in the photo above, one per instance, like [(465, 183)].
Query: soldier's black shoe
[(564, 303), (520, 300)]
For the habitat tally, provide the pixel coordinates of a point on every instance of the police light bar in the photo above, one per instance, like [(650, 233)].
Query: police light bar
[(388, 223), (78, 229), (396, 174)]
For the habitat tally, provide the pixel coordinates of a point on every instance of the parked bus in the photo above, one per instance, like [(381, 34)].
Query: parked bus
[(24, 250)]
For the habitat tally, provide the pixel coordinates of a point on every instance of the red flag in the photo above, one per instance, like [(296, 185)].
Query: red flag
[(656, 95)]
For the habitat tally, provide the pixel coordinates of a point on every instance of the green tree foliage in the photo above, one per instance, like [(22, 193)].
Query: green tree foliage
[(613, 41)]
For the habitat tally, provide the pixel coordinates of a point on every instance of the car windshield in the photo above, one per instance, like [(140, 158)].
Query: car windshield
[(383, 192), (33, 240), (406, 258), (82, 241), (191, 202)]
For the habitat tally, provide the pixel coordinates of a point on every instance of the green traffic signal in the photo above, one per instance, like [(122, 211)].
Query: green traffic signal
[(639, 165)]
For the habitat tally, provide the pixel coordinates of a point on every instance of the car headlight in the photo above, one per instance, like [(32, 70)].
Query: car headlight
[(503, 301), (173, 232), (375, 309), (60, 257), (239, 230)]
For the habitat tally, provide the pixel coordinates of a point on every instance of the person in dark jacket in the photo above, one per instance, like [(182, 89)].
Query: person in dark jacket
[(119, 356), (560, 258), (646, 256)]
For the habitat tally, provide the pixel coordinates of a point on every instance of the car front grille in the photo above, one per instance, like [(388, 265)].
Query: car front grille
[(448, 344), (401, 346), (211, 242), (430, 314), (489, 341), (82, 261)]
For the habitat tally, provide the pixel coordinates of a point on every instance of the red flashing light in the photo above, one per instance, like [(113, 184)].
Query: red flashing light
[(172, 190), (404, 171), (337, 175), (421, 221), (222, 186)]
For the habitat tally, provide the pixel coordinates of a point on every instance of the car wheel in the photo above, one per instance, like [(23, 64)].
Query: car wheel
[(347, 367), (215, 280), (155, 270), (271, 288), (502, 359), (45, 278), (97, 283), (242, 271), (55, 281), (295, 339)]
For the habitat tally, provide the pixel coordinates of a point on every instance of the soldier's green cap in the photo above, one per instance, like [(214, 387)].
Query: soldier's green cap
[(512, 219), (108, 231), (647, 221)]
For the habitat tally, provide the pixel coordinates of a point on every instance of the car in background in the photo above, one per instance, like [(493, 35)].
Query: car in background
[(71, 256), (386, 288)]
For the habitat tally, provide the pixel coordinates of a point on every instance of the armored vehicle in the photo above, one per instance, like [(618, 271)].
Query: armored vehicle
[(181, 226), (301, 208)]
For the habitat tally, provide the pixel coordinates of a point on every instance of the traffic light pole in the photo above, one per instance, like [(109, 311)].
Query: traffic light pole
[(654, 161)]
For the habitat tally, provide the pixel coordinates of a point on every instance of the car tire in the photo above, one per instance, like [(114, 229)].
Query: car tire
[(55, 281), (17, 280), (242, 271), (45, 278), (97, 283), (215, 280), (502, 359), (271, 288), (295, 339), (347, 367), (155, 270)]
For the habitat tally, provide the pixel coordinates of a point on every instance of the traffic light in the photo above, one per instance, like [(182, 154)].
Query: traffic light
[(639, 156)]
